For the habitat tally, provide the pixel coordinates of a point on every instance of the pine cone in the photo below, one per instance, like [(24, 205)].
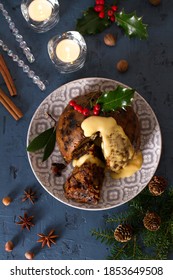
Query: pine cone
[(123, 233), (152, 221), (157, 185)]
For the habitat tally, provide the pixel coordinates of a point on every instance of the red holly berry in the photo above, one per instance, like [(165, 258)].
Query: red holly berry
[(97, 107), (101, 2), (102, 14), (78, 108), (110, 13), (112, 18), (98, 8), (72, 103), (96, 112), (114, 8), (86, 112)]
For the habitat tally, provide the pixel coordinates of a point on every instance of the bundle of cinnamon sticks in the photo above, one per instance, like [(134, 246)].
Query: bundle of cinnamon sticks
[(4, 99)]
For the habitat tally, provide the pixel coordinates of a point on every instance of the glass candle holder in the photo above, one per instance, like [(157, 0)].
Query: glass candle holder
[(68, 51), (41, 15)]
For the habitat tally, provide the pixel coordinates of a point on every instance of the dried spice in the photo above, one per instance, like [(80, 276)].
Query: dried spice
[(47, 239), (29, 195), (26, 221)]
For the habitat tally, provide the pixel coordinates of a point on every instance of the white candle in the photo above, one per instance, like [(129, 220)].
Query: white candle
[(67, 50), (40, 10)]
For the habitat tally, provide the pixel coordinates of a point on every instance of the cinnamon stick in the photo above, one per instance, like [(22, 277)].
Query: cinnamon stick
[(7, 77), (10, 106)]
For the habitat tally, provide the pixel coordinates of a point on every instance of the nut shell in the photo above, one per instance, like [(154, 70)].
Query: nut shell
[(29, 255), (9, 246), (155, 2), (6, 200), (110, 40), (122, 65)]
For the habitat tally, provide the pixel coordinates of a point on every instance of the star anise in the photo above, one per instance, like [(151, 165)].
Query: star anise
[(47, 239), (26, 221), (29, 194)]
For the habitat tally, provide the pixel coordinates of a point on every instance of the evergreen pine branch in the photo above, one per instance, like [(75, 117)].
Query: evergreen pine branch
[(118, 218), (105, 236), (145, 244)]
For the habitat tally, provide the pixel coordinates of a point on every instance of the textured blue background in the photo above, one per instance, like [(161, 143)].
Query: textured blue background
[(150, 73)]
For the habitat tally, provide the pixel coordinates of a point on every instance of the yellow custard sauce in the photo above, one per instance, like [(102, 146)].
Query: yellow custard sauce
[(116, 146), (133, 166)]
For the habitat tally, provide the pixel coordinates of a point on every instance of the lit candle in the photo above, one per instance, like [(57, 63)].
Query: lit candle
[(40, 10), (67, 50)]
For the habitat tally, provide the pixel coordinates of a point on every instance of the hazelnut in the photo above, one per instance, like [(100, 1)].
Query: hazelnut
[(9, 246), (110, 40), (122, 65), (6, 200), (155, 2), (29, 255)]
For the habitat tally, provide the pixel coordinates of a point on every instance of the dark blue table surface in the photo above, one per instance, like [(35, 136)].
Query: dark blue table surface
[(150, 73)]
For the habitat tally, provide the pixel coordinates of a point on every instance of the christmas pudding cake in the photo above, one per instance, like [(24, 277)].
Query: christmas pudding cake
[(97, 140)]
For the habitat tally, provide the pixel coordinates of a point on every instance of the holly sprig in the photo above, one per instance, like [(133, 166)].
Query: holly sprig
[(96, 19), (112, 100)]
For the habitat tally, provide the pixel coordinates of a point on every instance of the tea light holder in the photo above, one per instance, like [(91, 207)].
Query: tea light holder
[(41, 15), (68, 51)]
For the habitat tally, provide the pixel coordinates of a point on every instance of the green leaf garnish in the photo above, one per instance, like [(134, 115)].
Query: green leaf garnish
[(40, 141), (90, 23), (115, 99), (45, 140), (132, 25), (50, 146)]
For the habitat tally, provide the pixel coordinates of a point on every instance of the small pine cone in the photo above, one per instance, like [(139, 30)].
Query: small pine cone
[(157, 185), (123, 233), (152, 221)]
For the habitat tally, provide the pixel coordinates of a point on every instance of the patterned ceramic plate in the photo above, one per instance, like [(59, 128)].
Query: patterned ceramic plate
[(114, 192)]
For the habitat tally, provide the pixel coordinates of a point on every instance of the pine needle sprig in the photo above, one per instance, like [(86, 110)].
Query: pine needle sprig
[(122, 217), (105, 236), (146, 243)]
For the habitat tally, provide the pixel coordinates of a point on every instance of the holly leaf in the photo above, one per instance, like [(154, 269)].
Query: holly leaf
[(40, 141), (132, 25), (49, 146), (90, 23), (115, 99)]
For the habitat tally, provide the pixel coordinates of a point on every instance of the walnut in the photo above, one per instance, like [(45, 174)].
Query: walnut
[(155, 2), (110, 40), (122, 66)]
